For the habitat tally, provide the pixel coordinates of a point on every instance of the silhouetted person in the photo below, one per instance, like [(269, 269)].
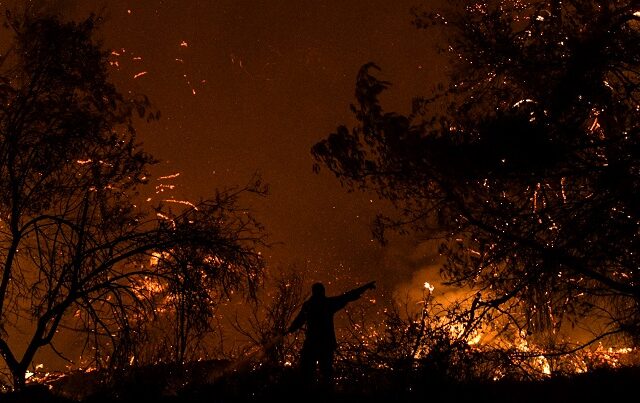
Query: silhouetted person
[(320, 337)]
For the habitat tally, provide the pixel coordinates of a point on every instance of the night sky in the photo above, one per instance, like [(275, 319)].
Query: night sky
[(249, 86)]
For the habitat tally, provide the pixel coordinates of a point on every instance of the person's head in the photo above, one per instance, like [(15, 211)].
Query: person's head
[(317, 290)]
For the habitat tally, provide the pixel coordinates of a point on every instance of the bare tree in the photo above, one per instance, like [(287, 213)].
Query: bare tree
[(77, 248), (271, 315)]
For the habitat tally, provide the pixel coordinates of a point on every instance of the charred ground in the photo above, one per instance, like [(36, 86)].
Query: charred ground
[(281, 385)]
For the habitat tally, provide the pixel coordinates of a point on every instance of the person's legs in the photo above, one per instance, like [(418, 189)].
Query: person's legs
[(325, 361), (307, 365)]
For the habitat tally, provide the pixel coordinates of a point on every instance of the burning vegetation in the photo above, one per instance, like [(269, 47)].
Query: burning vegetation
[(522, 170)]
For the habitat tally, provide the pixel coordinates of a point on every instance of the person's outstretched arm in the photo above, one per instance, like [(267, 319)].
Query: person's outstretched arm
[(353, 295)]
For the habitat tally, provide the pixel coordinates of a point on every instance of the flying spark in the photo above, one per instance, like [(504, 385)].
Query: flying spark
[(170, 176), (185, 202)]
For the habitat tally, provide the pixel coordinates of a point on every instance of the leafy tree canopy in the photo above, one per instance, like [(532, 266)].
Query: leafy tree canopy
[(527, 165)]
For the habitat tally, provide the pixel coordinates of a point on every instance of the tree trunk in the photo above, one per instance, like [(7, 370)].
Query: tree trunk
[(19, 378)]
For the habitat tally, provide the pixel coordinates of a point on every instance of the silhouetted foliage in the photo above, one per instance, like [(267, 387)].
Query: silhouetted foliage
[(526, 166), (78, 250), (270, 316)]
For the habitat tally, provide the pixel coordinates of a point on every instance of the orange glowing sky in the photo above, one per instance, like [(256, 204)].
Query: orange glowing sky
[(249, 86)]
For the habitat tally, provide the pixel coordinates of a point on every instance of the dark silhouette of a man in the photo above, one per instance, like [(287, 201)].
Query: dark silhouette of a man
[(320, 337)]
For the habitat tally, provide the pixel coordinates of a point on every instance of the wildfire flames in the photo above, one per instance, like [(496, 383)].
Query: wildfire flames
[(537, 362)]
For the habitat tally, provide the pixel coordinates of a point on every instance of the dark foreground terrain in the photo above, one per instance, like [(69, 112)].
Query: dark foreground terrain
[(268, 386)]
